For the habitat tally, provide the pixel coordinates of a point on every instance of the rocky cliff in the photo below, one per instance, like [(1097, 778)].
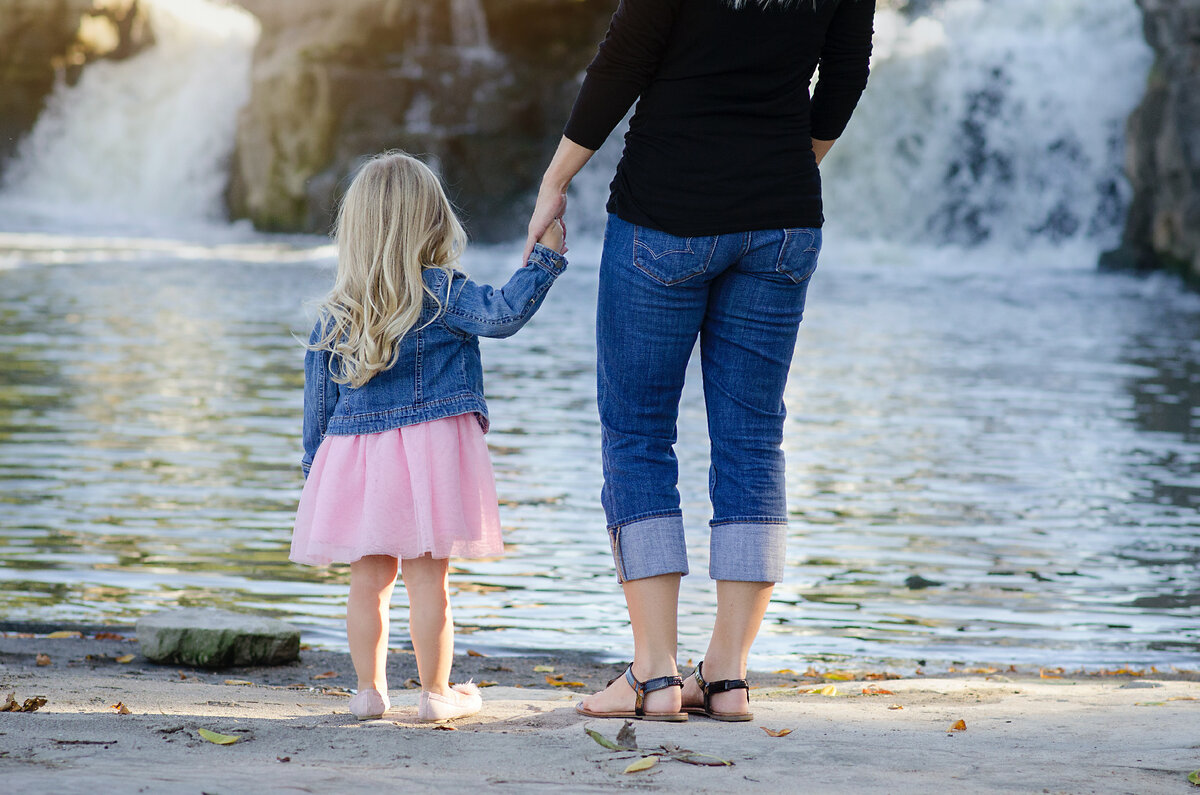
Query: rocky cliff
[(43, 39), (481, 87), (1163, 147)]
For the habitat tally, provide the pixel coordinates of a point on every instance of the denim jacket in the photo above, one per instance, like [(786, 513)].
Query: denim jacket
[(438, 373)]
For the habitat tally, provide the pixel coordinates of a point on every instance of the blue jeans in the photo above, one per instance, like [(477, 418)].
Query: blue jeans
[(743, 294)]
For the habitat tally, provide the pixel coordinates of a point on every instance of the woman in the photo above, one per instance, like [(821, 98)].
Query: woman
[(713, 231)]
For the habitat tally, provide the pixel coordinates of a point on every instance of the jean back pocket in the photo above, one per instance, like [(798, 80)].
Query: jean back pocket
[(669, 259), (798, 254)]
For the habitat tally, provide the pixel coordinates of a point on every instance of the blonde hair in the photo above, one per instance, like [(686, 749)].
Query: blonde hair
[(394, 222)]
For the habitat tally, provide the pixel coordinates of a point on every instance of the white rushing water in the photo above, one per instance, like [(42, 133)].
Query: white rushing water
[(998, 121), (993, 121), (143, 143)]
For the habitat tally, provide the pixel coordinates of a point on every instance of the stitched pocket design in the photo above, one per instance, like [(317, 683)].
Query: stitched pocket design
[(799, 253), (669, 259)]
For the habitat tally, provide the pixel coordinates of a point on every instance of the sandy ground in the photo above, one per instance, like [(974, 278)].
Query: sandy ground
[(1024, 733)]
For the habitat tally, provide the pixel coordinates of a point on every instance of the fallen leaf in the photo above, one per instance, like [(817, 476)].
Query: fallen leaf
[(1194, 777), (326, 675), (182, 675), (218, 739), (411, 683), (787, 671), (65, 633), (960, 725), (627, 736), (602, 740), (30, 705), (840, 676), (693, 758), (1050, 673), (473, 653), (645, 763), (873, 690), (776, 732), (555, 681), (543, 669), (43, 659), (442, 727), (1151, 704), (238, 682), (121, 708), (1183, 698), (895, 706), (828, 690), (283, 759), (108, 636), (883, 675), (126, 658), (486, 683)]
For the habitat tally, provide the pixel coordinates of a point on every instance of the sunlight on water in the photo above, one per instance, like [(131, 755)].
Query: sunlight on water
[(987, 462)]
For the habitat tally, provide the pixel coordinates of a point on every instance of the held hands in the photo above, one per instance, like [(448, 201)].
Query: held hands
[(551, 204), (555, 237)]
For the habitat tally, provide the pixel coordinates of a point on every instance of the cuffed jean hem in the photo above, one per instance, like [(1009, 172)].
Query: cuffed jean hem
[(649, 548), (747, 552)]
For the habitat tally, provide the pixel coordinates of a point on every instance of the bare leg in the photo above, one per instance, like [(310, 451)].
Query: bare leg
[(429, 620), (654, 611), (371, 581), (740, 610)]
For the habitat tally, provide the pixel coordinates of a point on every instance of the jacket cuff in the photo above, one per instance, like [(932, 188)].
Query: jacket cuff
[(547, 259)]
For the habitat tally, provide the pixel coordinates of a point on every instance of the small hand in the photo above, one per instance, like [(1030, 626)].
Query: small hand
[(555, 237), (551, 204)]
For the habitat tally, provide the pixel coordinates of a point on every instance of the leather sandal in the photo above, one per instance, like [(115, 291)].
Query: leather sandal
[(719, 686), (640, 689)]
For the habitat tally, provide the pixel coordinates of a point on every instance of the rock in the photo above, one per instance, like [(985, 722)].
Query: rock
[(1163, 147), (216, 638), (41, 40), (480, 88)]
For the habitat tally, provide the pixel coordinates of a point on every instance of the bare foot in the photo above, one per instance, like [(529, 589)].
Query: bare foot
[(619, 697)]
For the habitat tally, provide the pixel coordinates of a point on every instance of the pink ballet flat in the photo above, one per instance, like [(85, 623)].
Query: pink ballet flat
[(369, 704), (462, 701)]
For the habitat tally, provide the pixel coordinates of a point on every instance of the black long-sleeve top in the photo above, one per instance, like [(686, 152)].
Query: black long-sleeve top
[(721, 137)]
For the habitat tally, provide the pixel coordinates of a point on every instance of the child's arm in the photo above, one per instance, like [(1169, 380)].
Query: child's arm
[(485, 311), (320, 398)]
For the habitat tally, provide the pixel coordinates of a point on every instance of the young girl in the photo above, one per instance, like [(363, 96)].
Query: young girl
[(395, 461)]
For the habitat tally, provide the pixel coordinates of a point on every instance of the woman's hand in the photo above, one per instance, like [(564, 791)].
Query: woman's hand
[(555, 237), (548, 212), (552, 197)]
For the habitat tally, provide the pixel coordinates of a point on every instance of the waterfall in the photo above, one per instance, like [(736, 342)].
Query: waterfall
[(145, 142), (983, 121), (469, 25), (993, 121)]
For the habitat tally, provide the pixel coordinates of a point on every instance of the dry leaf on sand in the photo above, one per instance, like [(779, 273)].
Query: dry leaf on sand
[(216, 738), (776, 732), (960, 725), (326, 675), (120, 708), (645, 763), (43, 659), (126, 658), (30, 705)]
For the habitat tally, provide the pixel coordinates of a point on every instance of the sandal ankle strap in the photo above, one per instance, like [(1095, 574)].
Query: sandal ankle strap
[(640, 689), (719, 686)]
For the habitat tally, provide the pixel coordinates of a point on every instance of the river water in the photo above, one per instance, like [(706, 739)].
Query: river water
[(993, 449)]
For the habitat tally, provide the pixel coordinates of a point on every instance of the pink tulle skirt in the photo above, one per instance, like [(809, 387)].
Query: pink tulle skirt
[(425, 488)]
